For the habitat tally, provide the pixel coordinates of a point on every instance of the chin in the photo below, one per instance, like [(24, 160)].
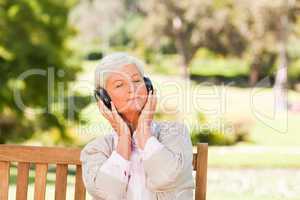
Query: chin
[(130, 111), (132, 108)]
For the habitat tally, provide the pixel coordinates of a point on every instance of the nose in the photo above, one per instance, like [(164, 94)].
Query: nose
[(131, 89)]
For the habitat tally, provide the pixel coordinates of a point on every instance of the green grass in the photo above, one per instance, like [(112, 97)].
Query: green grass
[(268, 134), (231, 67), (244, 196), (222, 184), (253, 157)]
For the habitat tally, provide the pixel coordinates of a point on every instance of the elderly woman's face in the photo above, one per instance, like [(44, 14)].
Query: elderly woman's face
[(127, 89)]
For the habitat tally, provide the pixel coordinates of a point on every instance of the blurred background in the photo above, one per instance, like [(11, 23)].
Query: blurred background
[(229, 69)]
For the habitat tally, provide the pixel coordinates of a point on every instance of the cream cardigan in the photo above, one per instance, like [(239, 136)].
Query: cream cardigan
[(132, 171), (167, 170)]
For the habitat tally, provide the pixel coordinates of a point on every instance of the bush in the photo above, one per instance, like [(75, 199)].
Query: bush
[(94, 55), (230, 134), (212, 138)]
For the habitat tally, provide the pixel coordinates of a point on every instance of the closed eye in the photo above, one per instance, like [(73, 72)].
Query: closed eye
[(120, 85)]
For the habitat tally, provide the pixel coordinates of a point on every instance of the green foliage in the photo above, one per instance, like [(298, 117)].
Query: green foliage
[(207, 63), (212, 138), (230, 134), (189, 25), (165, 64), (34, 35), (294, 71), (14, 129)]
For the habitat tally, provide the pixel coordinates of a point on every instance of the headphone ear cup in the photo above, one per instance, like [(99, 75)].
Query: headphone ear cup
[(96, 95), (148, 84), (105, 97)]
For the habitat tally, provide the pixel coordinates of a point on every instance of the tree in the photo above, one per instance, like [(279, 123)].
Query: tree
[(96, 20), (33, 35), (190, 25), (267, 25)]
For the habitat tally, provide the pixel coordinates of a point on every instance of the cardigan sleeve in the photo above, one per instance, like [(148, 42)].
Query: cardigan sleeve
[(152, 145), (171, 166), (99, 184), (116, 166)]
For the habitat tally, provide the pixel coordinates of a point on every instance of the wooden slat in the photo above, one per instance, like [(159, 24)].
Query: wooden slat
[(61, 181), (33, 154), (201, 173), (4, 180), (40, 181), (22, 181), (79, 186)]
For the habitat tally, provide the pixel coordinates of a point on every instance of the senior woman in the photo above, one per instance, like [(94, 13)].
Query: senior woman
[(141, 159)]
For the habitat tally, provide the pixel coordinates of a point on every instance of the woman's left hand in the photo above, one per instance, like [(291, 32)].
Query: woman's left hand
[(143, 129)]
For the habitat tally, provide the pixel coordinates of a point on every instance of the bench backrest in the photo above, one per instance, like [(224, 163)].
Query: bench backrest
[(41, 157)]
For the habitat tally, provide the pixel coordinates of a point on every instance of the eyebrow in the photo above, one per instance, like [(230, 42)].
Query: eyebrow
[(121, 79)]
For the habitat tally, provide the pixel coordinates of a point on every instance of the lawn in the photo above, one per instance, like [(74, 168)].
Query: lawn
[(225, 184)]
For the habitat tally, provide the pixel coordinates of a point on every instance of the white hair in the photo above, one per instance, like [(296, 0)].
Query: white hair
[(112, 62)]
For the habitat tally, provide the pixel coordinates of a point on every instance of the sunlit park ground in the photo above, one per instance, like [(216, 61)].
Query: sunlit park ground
[(265, 168)]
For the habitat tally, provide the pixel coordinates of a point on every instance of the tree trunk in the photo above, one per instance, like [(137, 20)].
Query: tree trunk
[(280, 87), (184, 56), (254, 73), (281, 81), (184, 69)]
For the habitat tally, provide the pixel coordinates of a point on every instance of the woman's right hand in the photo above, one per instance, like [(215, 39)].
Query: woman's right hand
[(121, 128)]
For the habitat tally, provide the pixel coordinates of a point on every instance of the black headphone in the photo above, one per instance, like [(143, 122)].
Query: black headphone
[(102, 94)]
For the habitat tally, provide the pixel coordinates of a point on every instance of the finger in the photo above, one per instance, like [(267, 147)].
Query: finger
[(104, 110), (152, 105), (102, 106), (115, 113), (154, 101), (116, 120), (150, 101), (155, 97), (147, 104)]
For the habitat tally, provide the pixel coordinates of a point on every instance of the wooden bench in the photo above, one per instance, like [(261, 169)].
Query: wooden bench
[(41, 157)]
